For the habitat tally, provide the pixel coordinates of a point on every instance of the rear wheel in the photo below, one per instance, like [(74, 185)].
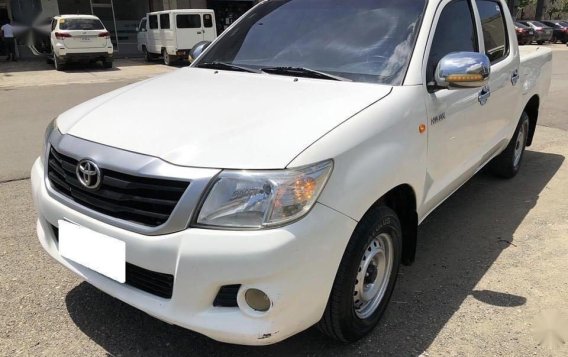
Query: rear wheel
[(508, 163), (539, 42), (168, 59), (107, 63), (57, 63), (365, 278)]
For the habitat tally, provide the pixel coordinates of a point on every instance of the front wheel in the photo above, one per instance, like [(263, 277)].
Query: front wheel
[(508, 163), (168, 59), (365, 278)]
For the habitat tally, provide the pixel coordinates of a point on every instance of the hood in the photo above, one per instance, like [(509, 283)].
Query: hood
[(220, 119)]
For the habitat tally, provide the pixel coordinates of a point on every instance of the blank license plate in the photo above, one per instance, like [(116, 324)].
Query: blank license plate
[(96, 251)]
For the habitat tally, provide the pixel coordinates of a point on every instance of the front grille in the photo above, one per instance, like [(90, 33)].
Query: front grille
[(227, 296), (142, 200), (158, 284)]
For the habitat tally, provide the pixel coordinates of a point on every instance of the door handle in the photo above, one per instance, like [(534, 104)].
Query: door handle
[(199, 32), (515, 77), (484, 95)]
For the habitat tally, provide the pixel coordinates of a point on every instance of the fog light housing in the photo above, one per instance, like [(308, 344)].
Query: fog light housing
[(257, 300)]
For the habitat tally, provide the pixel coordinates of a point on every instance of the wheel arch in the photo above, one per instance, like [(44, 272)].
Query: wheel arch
[(402, 200), (532, 109)]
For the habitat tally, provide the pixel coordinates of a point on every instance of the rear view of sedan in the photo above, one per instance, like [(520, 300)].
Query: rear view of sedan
[(543, 33), (525, 34)]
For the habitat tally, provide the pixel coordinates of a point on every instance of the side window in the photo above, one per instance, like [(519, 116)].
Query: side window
[(207, 20), (455, 32), (142, 25), (153, 21), (165, 21), (188, 21), (494, 30), (53, 24)]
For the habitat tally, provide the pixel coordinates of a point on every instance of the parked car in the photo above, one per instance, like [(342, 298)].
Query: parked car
[(79, 38), (278, 182), (543, 33), (525, 34), (560, 30), (171, 34)]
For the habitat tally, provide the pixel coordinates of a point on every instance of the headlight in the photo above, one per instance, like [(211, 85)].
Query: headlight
[(50, 127), (263, 199)]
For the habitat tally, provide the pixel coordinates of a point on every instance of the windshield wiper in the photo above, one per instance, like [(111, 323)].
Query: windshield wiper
[(302, 72), (226, 66)]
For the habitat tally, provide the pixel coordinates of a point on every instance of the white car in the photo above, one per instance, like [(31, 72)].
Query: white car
[(173, 33), (80, 38), (279, 181)]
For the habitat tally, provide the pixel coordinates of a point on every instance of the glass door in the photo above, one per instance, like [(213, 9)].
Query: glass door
[(104, 10)]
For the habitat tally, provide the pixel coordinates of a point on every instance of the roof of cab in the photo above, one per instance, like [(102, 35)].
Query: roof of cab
[(182, 11)]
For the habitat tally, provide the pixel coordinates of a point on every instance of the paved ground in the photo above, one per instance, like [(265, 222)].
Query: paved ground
[(491, 264)]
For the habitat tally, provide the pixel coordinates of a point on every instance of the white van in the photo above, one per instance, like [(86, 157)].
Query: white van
[(172, 33)]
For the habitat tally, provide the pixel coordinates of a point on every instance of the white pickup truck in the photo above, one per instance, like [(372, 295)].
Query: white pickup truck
[(279, 181)]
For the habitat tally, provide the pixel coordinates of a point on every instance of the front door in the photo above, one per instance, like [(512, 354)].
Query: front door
[(454, 143)]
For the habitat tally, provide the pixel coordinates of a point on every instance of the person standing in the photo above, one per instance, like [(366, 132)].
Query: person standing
[(8, 35)]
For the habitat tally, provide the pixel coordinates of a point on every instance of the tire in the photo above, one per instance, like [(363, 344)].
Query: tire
[(553, 40), (348, 317), (508, 163), (168, 59), (539, 42), (107, 63), (147, 56), (59, 66)]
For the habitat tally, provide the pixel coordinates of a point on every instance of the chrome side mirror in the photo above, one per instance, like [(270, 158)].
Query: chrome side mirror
[(198, 49), (463, 70)]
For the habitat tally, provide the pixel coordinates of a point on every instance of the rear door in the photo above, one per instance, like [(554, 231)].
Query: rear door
[(189, 30), (209, 29), (83, 33), (499, 115)]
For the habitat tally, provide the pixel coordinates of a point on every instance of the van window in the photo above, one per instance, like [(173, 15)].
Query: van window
[(164, 21), (142, 25), (455, 32), (207, 20), (187, 21), (153, 21), (494, 31)]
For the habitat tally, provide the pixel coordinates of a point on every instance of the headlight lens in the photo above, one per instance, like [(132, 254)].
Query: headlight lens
[(50, 127), (263, 199)]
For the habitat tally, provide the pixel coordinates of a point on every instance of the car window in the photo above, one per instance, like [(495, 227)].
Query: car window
[(143, 25), (53, 24), (494, 30), (207, 20), (165, 21), (538, 24), (153, 21), (187, 21), (80, 24), (455, 32)]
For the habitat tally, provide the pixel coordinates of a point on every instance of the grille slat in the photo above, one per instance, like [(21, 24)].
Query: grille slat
[(143, 200)]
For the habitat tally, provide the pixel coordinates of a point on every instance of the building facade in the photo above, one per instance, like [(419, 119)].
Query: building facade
[(120, 17)]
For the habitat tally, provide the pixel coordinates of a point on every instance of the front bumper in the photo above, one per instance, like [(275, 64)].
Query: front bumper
[(295, 265)]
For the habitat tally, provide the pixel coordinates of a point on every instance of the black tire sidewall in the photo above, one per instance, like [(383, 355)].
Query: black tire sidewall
[(354, 327), (524, 118)]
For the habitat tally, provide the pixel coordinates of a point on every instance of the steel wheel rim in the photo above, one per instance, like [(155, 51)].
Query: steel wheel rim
[(373, 275), (520, 143)]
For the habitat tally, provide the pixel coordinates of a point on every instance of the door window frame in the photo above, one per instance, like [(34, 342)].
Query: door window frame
[(506, 29)]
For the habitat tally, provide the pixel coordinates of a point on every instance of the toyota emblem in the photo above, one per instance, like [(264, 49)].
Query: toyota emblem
[(88, 174)]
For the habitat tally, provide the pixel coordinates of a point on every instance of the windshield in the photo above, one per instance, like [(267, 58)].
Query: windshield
[(364, 41), (80, 24)]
